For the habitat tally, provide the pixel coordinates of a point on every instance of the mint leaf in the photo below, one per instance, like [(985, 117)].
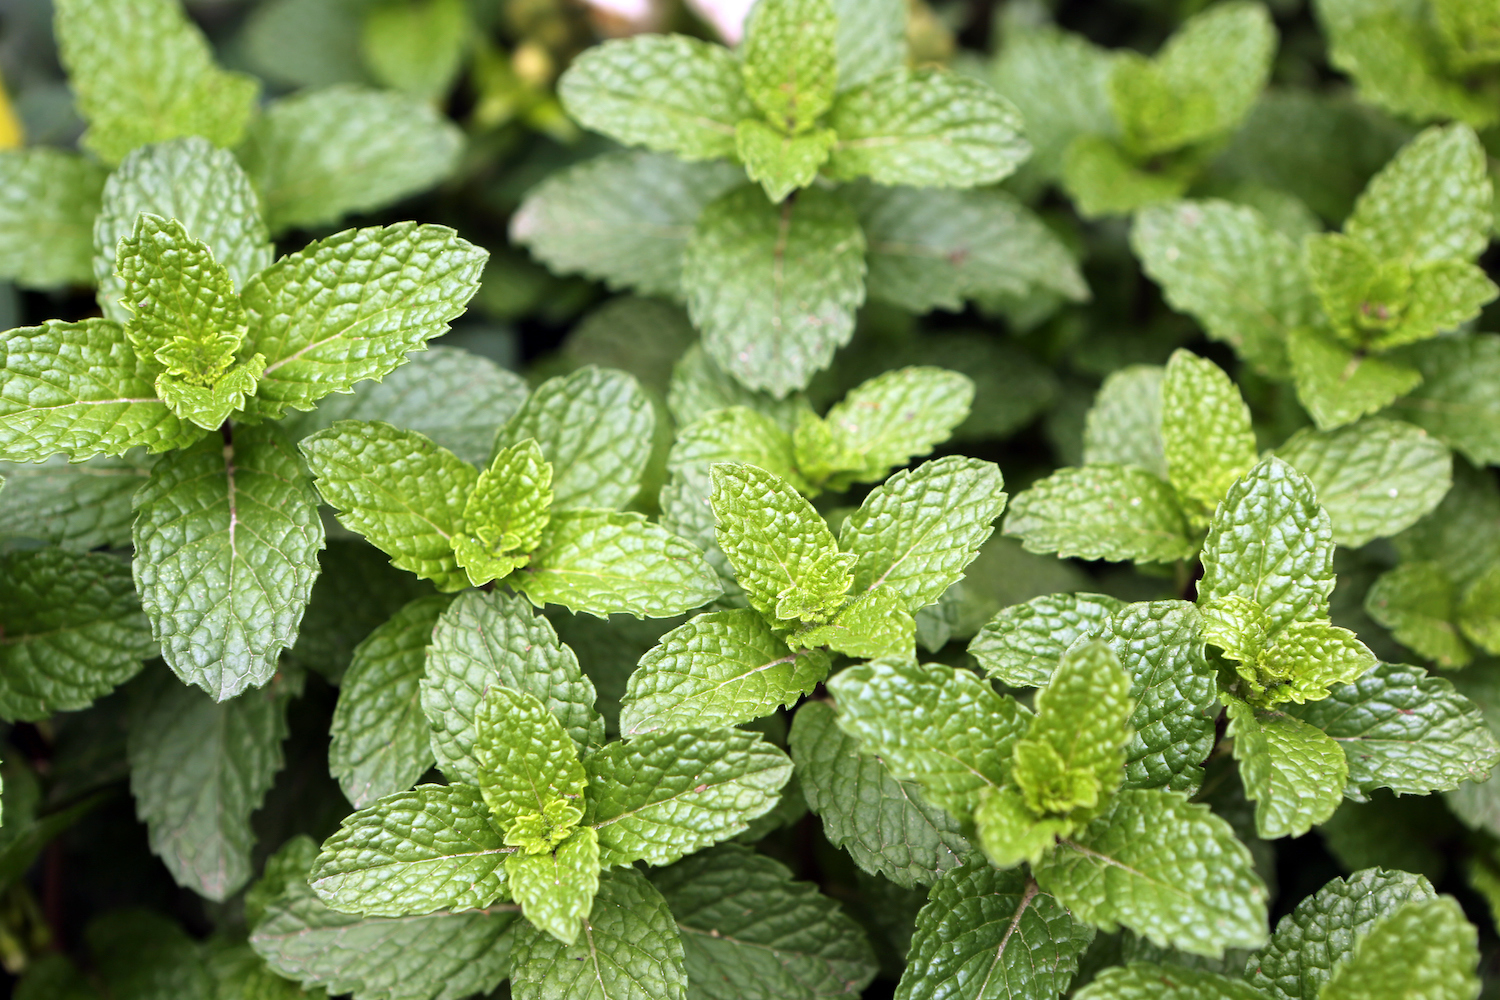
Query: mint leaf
[(556, 889), (926, 128), (1456, 401), (1207, 440), (1478, 617), (1072, 755), (699, 386), (1123, 426), (489, 639), (417, 49), (774, 287), (871, 39), (1460, 534), (623, 218), (505, 514), (1022, 643), (432, 848), (882, 822), (75, 505), (981, 927), (320, 155), (736, 434), (48, 200), (1292, 771), (1114, 512), (528, 769), (242, 602), (71, 631), (380, 738), (719, 669), (781, 163), (1336, 385), (885, 422), (1426, 947), (1167, 869), (1140, 980), (789, 64), (142, 73), (719, 899), (400, 491), (319, 335), (873, 624), (666, 92)]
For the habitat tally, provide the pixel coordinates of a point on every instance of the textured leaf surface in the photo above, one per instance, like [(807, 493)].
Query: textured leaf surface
[(1140, 980), (1021, 644), (227, 537), (789, 65), (750, 931), (556, 888), (71, 630), (1457, 401), (893, 418), (1206, 436), (77, 506), (1114, 512), (1072, 754), (48, 200), (1293, 771), (1123, 426), (778, 162), (1425, 948), (528, 767), (664, 795), (882, 822), (1337, 386)]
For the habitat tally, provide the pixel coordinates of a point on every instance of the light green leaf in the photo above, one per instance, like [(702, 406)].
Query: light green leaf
[(199, 770), (141, 72), (1338, 386), (1022, 644), (623, 218), (699, 386), (669, 93), (1010, 831), (719, 669), (1102, 180), (594, 426), (882, 822), (505, 514), (1207, 440), (77, 506), (319, 155), (1168, 869), (1479, 614), (1072, 756), (210, 406), (489, 639), (417, 49), (48, 200), (528, 769), (665, 795), (885, 422), (1457, 400), (556, 888), (1143, 980), (721, 899), (943, 728), (71, 631), (400, 491), (227, 537), (735, 434), (871, 39), (875, 623), (1114, 512), (781, 163), (433, 848), (380, 740), (1124, 424), (774, 287), (1419, 604), (629, 950), (1424, 948), (926, 128), (1462, 534), (1292, 771), (789, 64), (350, 307)]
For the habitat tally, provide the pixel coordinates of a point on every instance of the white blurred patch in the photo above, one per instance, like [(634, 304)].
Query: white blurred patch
[(727, 16), (629, 10)]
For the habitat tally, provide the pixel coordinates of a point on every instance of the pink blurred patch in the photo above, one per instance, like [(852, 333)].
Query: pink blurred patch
[(726, 16)]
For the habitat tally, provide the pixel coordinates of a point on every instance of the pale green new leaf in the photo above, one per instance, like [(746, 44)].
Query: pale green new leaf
[(1102, 179), (379, 739), (1148, 981), (781, 163), (773, 288), (789, 63), (71, 631), (1425, 948), (433, 848), (665, 795), (875, 623), (319, 155), (75, 505), (1115, 512), (1419, 604), (556, 888), (891, 419), (1072, 756), (226, 538), (1292, 771), (1457, 400), (1022, 643), (505, 514), (1206, 436), (1168, 869), (350, 307), (719, 669), (1338, 386), (141, 72), (48, 200), (400, 491), (527, 764), (1123, 426), (882, 822)]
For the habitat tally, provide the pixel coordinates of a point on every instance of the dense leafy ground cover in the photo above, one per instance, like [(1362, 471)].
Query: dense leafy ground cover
[(948, 500)]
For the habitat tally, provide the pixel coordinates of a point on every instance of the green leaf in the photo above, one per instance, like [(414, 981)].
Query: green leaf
[(885, 422), (1461, 535), (1021, 645), (871, 39), (321, 335), (882, 822), (199, 770), (203, 188), (183, 306), (1124, 424), (1320, 933), (435, 847), (489, 639), (722, 899), (380, 739), (602, 563), (227, 537), (1457, 401), (210, 406), (735, 434), (1479, 614), (141, 953), (873, 624), (698, 387), (556, 888), (1419, 604), (623, 218), (594, 426), (935, 248), (1142, 980), (1114, 512), (781, 163), (789, 64), (926, 128), (665, 795), (48, 200), (719, 669), (319, 155), (1292, 771), (1207, 440), (1404, 730), (1168, 869), (1374, 478), (1338, 386), (80, 390), (417, 49), (629, 950), (528, 769), (1102, 180), (141, 72), (505, 514), (669, 93), (77, 506), (1271, 543), (400, 491), (943, 728), (1072, 756), (773, 288), (1425, 948), (990, 934), (1226, 266)]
